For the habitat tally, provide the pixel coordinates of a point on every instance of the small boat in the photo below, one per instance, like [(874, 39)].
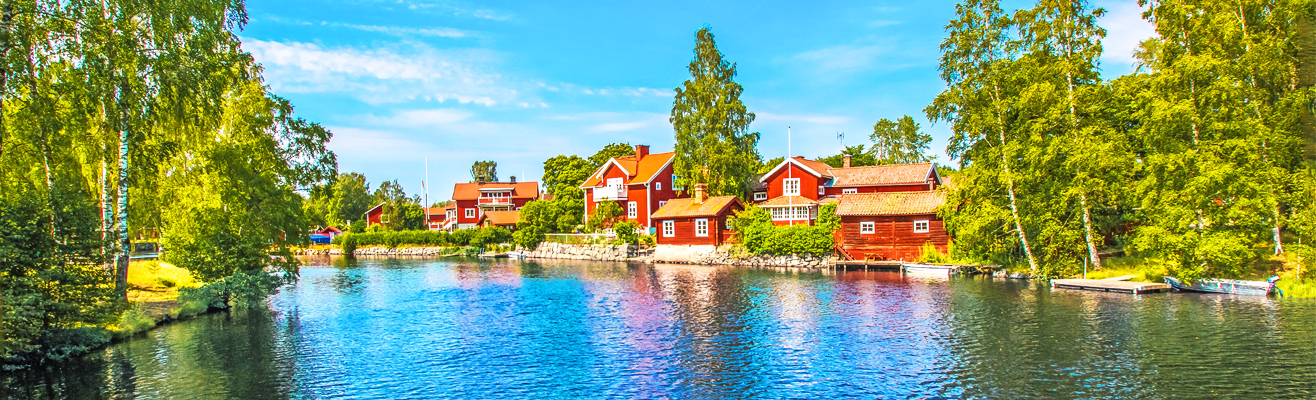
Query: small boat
[(516, 255), (493, 255), (1226, 286), (929, 269)]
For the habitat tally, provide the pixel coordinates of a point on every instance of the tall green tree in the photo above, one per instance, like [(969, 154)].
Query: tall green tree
[(899, 142), (612, 150), (484, 171), (976, 63), (713, 144), (351, 198), (858, 158)]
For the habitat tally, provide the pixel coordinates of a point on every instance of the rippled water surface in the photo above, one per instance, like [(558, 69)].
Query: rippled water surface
[(402, 328)]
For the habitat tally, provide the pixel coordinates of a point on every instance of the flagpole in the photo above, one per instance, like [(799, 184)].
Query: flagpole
[(426, 188), (790, 201)]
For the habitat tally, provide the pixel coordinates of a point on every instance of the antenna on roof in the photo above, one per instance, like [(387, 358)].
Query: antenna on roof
[(841, 136)]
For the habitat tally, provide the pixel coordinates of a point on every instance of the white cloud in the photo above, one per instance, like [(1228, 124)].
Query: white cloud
[(818, 119), (1125, 30), (420, 118), (383, 75), (404, 31), (843, 58)]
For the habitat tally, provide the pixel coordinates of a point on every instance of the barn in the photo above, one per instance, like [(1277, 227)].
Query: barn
[(890, 225)]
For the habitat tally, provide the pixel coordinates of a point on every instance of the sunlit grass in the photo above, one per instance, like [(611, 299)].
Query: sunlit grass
[(151, 281), (1146, 269)]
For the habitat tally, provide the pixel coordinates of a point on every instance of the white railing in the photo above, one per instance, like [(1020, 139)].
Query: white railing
[(604, 193)]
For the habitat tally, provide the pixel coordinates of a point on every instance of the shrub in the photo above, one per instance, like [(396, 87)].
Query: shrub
[(349, 245), (648, 240), (242, 289), (759, 235), (61, 344), (133, 321), (625, 231), (930, 254), (605, 216)]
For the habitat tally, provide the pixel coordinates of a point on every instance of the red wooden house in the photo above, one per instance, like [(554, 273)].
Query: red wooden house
[(700, 220), (640, 185), (375, 215), (890, 225), (797, 186), (476, 198), (435, 218)]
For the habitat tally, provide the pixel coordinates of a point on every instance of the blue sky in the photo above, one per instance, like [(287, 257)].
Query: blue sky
[(518, 82)]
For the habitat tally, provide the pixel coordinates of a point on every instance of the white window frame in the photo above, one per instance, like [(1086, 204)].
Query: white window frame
[(658, 185), (822, 190), (661, 203), (867, 227), (470, 213), (927, 226), (614, 182), (701, 224), (849, 190), (669, 228), (760, 196), (632, 210), (790, 187)]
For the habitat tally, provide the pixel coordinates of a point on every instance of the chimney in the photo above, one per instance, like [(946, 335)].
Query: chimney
[(701, 193), (846, 163), (641, 150), (513, 178)]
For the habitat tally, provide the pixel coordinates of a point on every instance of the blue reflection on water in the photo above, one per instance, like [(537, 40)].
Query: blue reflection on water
[(399, 328)]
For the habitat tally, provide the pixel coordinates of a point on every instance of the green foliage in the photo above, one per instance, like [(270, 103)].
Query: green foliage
[(351, 198), (484, 171), (490, 235), (358, 225), (626, 232), (759, 235), (134, 321), (49, 279), (827, 217), (563, 175), (605, 215), (464, 237), (348, 243), (612, 150), (713, 145), (858, 158), (767, 165), (898, 142), (243, 289), (66, 343)]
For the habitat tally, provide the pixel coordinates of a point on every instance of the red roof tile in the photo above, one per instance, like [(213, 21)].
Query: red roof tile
[(780, 201), (881, 175), (682, 208), (639, 171), (501, 218), (890, 203)]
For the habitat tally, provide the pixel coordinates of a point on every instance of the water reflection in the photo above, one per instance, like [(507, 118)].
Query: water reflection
[(466, 328)]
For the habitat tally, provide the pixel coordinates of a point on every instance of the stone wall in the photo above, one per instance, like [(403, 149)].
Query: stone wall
[(597, 252), (711, 255), (379, 251)]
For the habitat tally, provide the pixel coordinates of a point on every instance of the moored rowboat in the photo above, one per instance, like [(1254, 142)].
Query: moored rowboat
[(1226, 286)]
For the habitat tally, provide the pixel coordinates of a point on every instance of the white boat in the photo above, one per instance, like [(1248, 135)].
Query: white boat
[(929, 269)]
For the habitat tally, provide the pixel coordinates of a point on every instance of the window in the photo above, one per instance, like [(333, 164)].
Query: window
[(631, 210), (669, 229), (920, 226), (701, 227), (867, 227), (614, 182), (792, 213), (849, 191), (822, 190), (791, 187), (470, 213), (760, 196), (801, 212), (662, 203), (658, 185)]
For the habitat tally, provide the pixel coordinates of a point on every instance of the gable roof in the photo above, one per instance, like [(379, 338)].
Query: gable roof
[(890, 203), (471, 190), (329, 229), (435, 210), (641, 170), (884, 175), (816, 168), (682, 208), (372, 209), (501, 218)]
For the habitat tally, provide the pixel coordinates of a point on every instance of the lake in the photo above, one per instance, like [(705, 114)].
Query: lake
[(480, 329)]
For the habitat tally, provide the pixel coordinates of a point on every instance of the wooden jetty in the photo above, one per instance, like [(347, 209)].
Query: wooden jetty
[(1109, 285), (866, 265)]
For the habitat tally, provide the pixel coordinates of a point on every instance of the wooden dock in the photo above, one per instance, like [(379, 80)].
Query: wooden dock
[(866, 265), (1109, 286)]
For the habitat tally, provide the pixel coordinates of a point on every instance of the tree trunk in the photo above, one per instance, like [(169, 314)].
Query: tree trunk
[(121, 264), (1009, 178), (106, 219), (1083, 195), (6, 35)]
